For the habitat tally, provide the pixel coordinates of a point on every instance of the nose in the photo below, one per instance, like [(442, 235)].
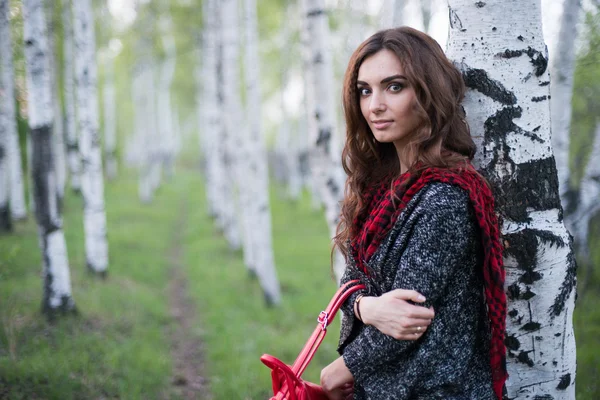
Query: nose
[(377, 103)]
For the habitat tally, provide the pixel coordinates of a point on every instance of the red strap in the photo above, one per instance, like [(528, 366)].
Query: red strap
[(325, 318)]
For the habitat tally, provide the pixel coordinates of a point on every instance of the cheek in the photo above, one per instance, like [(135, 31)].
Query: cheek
[(364, 109)]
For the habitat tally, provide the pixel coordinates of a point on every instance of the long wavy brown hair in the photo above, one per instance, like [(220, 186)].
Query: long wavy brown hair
[(442, 140)]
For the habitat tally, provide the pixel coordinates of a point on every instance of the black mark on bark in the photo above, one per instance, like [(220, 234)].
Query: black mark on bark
[(523, 357), (479, 80), (538, 60), (565, 381), (531, 327), (539, 98), (42, 164), (567, 286), (512, 343), (455, 22), (533, 185), (324, 137), (480, 4)]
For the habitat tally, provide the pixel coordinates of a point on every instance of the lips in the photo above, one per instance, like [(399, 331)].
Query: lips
[(381, 124)]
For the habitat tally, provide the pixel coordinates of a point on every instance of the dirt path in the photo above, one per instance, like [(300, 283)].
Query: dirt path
[(186, 348)]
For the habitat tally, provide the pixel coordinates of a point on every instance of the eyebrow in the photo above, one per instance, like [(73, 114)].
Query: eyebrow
[(385, 80)]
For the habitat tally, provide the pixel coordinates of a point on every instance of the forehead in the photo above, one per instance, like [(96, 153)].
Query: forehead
[(379, 66)]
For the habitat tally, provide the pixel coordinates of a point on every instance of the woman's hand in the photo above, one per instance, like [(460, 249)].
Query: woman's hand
[(337, 380), (394, 316)]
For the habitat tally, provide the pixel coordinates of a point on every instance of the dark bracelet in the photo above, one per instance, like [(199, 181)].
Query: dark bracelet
[(357, 304)]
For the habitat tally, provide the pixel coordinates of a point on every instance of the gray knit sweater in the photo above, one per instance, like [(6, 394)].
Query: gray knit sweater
[(433, 248)]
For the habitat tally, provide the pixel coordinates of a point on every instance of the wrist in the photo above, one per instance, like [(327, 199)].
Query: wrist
[(365, 305)]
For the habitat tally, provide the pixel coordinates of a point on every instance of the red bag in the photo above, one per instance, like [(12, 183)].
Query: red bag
[(287, 381)]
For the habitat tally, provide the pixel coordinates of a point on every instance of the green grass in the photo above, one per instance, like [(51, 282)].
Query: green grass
[(236, 327), (118, 346)]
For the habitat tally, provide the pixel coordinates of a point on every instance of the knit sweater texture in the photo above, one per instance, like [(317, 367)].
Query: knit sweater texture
[(434, 248)]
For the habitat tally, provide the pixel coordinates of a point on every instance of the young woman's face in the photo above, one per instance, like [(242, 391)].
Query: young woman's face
[(387, 100)]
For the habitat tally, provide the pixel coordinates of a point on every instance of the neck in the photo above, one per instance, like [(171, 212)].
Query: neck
[(404, 157)]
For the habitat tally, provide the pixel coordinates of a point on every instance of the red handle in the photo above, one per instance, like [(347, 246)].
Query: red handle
[(325, 318)]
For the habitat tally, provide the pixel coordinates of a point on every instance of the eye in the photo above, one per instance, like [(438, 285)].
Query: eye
[(364, 91), (396, 87)]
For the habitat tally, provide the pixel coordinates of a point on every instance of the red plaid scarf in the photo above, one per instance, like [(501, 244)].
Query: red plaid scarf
[(384, 211)]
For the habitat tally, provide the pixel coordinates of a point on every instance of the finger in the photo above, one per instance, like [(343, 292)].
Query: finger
[(418, 312), (404, 294)]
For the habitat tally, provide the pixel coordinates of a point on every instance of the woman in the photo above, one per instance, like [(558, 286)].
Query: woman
[(418, 228)]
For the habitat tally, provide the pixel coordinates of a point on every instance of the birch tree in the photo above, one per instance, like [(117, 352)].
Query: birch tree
[(11, 154), (58, 132), (326, 172), (207, 81), (5, 97), (56, 277), (72, 144), (504, 63), (588, 205), (92, 184), (167, 71), (229, 117), (259, 227), (110, 118), (561, 88)]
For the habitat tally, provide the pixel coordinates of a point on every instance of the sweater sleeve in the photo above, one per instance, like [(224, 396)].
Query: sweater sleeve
[(435, 248)]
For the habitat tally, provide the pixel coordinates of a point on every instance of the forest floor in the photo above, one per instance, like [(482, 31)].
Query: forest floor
[(189, 379)]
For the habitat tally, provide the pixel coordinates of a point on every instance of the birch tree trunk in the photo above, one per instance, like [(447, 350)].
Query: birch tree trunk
[(8, 120), (230, 118), (561, 88), (110, 119), (58, 127), (57, 283), (258, 188), (73, 159), (504, 63), (326, 171), (5, 97), (309, 105), (426, 13), (207, 81), (5, 218), (167, 72), (92, 184), (588, 206)]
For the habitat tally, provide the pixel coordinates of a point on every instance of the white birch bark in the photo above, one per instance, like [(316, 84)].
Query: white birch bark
[(426, 14), (561, 88), (145, 130), (57, 284), (391, 14), (8, 120), (259, 230), (72, 144), (58, 126), (323, 151), (5, 218), (230, 118), (206, 78), (110, 119), (167, 71), (589, 193), (310, 124), (5, 97), (504, 62), (92, 184)]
